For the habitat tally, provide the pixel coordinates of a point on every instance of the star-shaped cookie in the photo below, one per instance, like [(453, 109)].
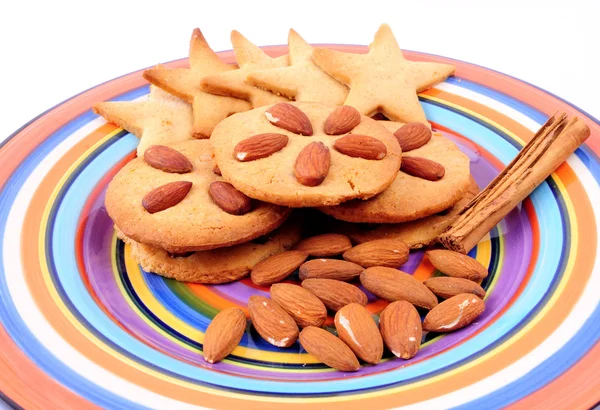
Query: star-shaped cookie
[(161, 119), (382, 80), (208, 109), (303, 80), (250, 58)]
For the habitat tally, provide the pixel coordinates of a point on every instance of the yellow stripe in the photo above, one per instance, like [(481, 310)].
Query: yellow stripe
[(466, 367)]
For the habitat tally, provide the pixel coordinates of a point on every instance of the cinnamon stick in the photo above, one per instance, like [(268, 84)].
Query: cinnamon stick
[(548, 149)]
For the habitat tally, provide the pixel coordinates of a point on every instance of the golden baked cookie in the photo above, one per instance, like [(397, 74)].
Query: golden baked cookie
[(416, 234), (412, 197), (208, 109), (250, 58), (161, 119), (217, 265), (382, 80), (303, 80), (183, 210), (305, 167)]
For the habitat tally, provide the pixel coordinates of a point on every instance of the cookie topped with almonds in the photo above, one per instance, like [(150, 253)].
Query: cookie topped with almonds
[(171, 198), (434, 175), (306, 154)]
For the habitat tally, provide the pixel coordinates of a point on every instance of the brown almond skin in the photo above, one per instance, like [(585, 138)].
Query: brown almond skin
[(166, 196), (277, 267), (422, 168), (412, 135), (259, 146), (229, 199), (446, 287), (457, 265), (216, 170), (342, 120), (289, 117), (400, 327), (330, 269), (392, 253), (312, 164), (304, 307), (328, 349), (328, 244), (357, 328), (167, 159), (454, 313), (272, 322), (335, 294), (361, 146), (391, 284), (223, 334)]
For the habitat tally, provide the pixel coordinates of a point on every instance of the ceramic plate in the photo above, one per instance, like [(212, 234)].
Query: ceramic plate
[(82, 326)]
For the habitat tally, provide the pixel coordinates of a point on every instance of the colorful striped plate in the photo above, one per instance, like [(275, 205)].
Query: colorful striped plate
[(82, 326)]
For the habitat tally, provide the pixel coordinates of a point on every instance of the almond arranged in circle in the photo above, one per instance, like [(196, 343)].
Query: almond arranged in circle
[(259, 146), (166, 196), (412, 136), (400, 326), (392, 253), (457, 265), (167, 159), (289, 117), (361, 146), (312, 164), (335, 294), (299, 303), (342, 120), (277, 267), (229, 199), (328, 244), (422, 168)]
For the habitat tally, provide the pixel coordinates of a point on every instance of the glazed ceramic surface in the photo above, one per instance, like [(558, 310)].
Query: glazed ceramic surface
[(83, 326)]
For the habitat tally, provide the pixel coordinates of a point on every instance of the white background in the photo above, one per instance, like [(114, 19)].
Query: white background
[(51, 50)]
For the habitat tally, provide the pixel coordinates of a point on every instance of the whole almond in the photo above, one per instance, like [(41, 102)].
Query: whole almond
[(312, 164), (272, 322), (342, 120), (289, 117), (454, 313), (229, 199), (304, 307), (328, 349), (446, 287), (392, 284), (357, 328), (422, 168), (412, 136), (277, 267), (167, 159), (400, 327), (380, 252), (335, 294), (330, 269), (457, 264), (361, 146), (328, 244), (259, 146), (223, 334), (166, 196)]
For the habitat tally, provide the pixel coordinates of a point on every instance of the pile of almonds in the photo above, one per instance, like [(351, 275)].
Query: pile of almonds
[(327, 286)]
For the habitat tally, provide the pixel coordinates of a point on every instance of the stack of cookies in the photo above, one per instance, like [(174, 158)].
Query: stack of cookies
[(227, 152)]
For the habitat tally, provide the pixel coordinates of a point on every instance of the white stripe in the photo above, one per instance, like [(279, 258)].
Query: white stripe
[(28, 309), (582, 310), (491, 103)]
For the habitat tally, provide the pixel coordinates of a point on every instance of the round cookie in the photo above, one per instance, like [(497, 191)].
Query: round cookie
[(217, 265), (196, 222), (273, 179), (411, 197), (416, 234)]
